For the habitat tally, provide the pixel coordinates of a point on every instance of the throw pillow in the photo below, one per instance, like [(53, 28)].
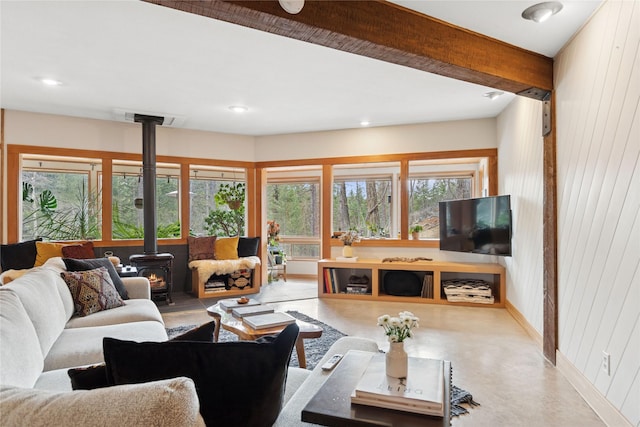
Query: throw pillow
[(227, 375), (95, 376), (171, 402), (90, 264), (226, 248), (248, 246), (201, 247), (92, 290), (46, 250), (81, 251), (18, 256)]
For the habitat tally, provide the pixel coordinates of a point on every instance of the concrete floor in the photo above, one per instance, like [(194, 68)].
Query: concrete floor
[(492, 356)]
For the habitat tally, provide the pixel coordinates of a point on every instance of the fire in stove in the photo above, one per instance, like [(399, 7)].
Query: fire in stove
[(156, 281)]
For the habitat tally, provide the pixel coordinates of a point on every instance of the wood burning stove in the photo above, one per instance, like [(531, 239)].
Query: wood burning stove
[(158, 269), (152, 265)]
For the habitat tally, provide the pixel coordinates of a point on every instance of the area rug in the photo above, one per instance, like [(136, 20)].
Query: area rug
[(314, 349)]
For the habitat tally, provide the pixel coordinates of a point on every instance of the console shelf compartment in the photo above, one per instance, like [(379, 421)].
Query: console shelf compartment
[(336, 280)]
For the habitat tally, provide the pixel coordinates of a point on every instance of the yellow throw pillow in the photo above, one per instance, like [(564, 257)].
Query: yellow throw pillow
[(226, 248), (46, 250)]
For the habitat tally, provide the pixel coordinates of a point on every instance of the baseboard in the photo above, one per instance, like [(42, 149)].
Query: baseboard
[(601, 406), (522, 321)]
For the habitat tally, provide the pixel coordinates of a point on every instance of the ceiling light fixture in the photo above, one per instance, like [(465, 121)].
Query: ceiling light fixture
[(542, 11), (50, 82), (238, 108), (292, 6), (365, 123), (493, 95)]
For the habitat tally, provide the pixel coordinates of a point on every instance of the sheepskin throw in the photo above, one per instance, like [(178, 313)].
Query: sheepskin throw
[(208, 267)]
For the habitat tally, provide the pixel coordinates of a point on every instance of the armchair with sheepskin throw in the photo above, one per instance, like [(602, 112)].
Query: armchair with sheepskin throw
[(223, 266)]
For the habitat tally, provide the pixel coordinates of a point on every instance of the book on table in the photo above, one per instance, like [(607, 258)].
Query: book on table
[(251, 310), (269, 320), (231, 303), (421, 392)]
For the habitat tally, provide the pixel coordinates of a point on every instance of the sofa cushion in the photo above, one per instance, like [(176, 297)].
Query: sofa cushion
[(133, 310), (46, 250), (171, 402), (92, 291), (83, 346), (80, 251), (248, 246), (95, 376), (201, 247), (18, 256), (90, 264), (21, 360), (226, 248), (238, 383), (41, 297)]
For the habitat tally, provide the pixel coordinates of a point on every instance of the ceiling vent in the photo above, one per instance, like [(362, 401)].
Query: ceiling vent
[(170, 120)]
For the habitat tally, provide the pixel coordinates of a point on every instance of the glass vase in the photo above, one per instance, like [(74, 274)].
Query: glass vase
[(396, 361)]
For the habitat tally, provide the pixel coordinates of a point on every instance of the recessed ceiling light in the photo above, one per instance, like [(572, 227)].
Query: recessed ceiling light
[(365, 123), (493, 95), (542, 11), (50, 82), (238, 108)]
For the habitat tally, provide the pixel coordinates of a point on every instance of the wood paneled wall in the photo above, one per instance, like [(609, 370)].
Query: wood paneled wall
[(597, 81), (520, 175)]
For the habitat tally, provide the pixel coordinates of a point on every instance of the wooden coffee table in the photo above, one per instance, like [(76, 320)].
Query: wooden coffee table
[(244, 332)]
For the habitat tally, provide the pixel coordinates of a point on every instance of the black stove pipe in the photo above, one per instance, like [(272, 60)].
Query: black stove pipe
[(149, 180)]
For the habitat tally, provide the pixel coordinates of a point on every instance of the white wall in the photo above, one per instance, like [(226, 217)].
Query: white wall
[(48, 130), (520, 157), (597, 80), (443, 136)]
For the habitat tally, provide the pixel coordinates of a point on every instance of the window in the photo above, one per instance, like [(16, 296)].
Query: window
[(364, 199), (128, 219), (434, 182), (293, 202), (60, 198), (217, 196)]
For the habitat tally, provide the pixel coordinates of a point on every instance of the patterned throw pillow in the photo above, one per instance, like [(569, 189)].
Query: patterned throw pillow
[(80, 251), (92, 290), (201, 247)]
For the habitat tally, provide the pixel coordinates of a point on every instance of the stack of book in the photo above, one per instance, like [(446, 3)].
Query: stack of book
[(422, 392), (252, 310), (269, 320), (231, 303), (214, 286)]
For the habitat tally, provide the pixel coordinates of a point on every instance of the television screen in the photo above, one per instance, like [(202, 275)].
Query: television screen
[(481, 225)]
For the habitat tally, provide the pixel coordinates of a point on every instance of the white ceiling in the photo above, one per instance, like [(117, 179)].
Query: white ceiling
[(116, 56)]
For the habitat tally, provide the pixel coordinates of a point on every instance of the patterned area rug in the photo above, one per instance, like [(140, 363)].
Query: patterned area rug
[(314, 349)]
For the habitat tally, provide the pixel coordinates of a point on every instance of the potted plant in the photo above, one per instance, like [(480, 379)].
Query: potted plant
[(415, 231), (231, 194)]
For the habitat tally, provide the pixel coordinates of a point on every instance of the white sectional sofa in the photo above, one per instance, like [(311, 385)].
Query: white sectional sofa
[(40, 340)]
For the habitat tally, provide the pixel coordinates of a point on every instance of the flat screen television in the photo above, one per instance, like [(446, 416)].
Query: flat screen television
[(481, 225)]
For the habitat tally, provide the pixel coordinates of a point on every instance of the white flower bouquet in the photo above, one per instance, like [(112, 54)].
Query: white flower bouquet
[(398, 328)]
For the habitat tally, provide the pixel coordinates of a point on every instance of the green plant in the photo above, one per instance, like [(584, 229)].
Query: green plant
[(227, 221), (416, 228), (232, 195), (79, 221)]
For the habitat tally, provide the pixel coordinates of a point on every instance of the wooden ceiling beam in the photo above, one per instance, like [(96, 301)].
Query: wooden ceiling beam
[(391, 33)]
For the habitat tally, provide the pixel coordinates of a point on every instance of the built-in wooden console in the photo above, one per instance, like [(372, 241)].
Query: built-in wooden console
[(334, 280)]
